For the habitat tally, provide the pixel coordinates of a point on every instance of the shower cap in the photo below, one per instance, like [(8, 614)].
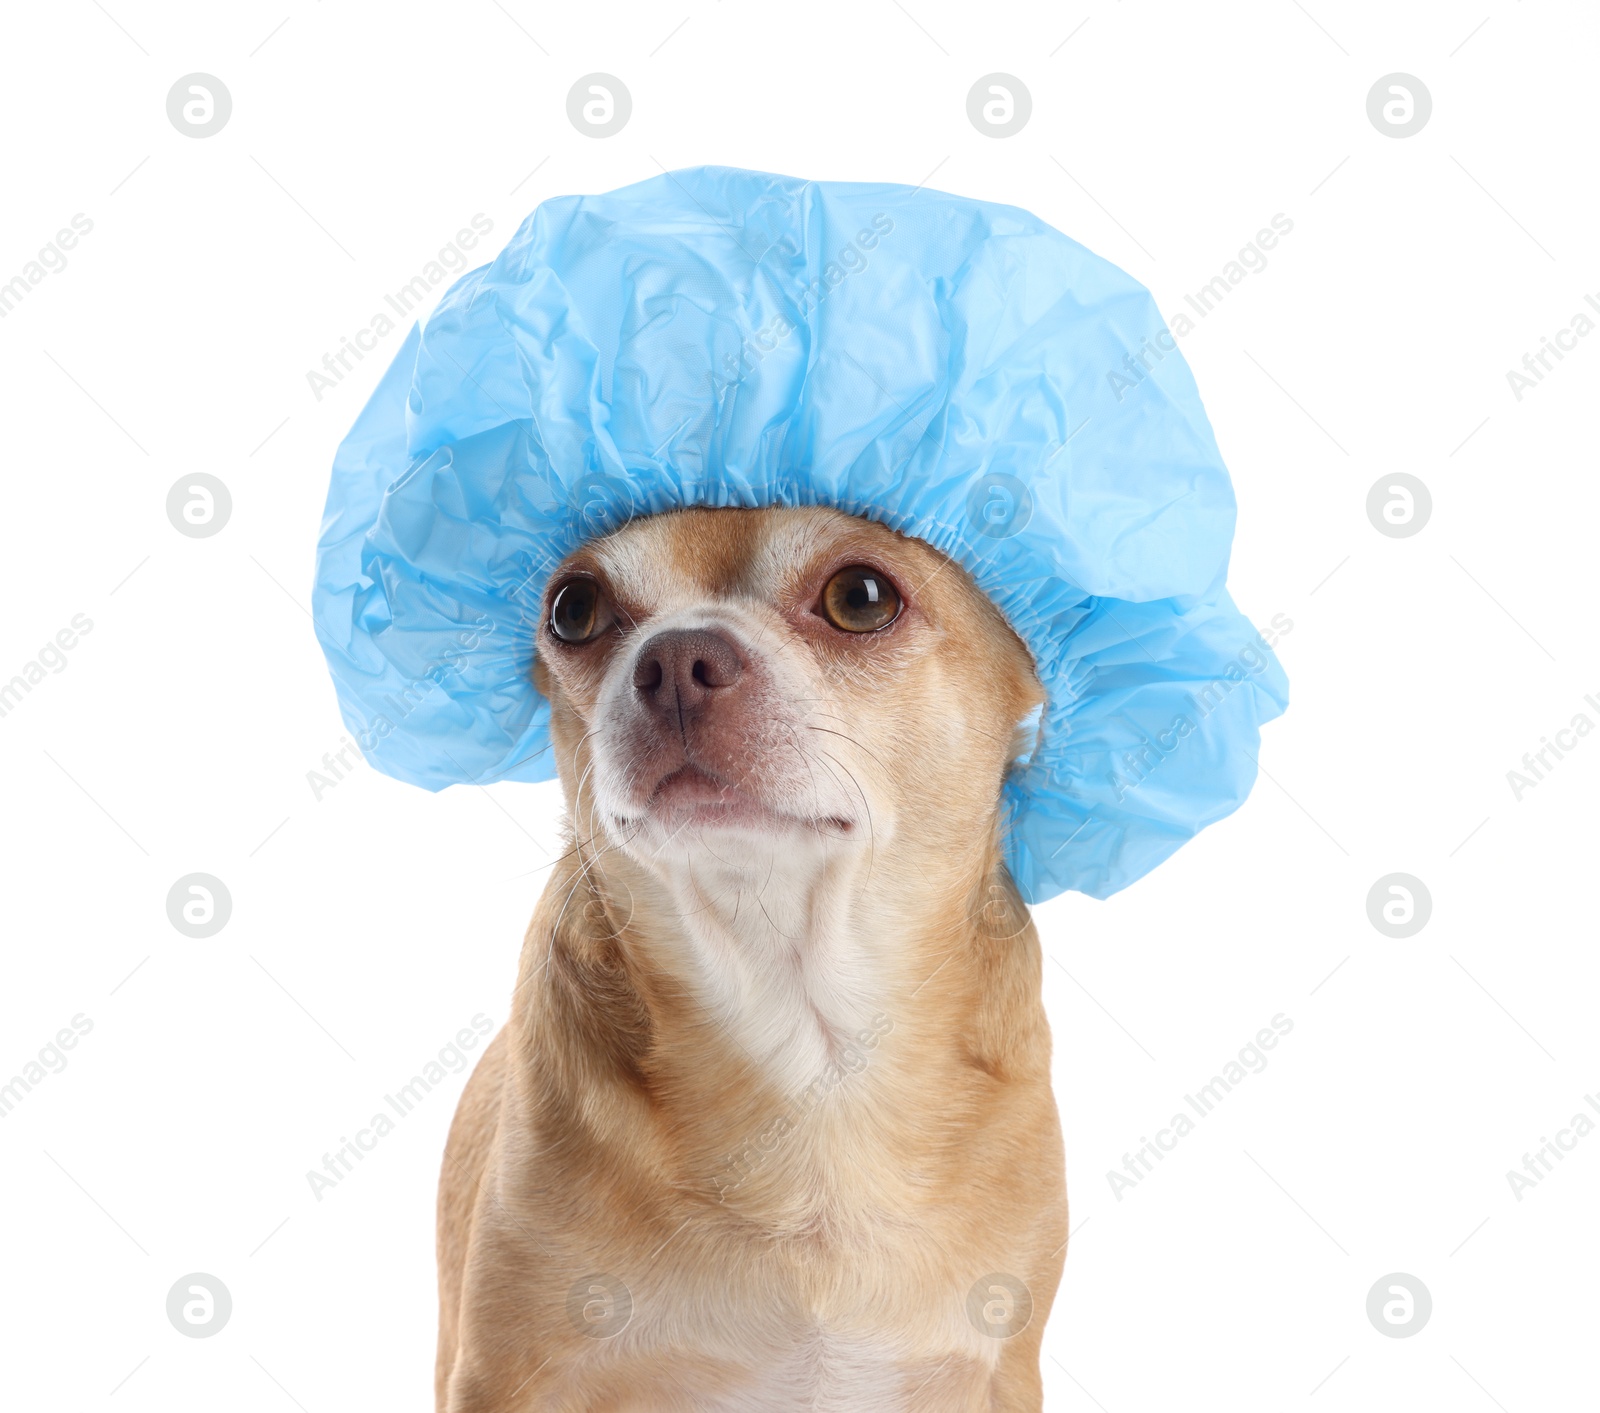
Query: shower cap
[(957, 370)]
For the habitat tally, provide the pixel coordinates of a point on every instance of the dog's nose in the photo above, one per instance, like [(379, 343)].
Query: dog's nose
[(677, 671)]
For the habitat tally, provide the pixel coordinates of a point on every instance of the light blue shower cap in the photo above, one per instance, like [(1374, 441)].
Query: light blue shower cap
[(957, 370)]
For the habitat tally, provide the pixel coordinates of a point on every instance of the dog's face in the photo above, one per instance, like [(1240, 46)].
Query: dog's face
[(750, 687)]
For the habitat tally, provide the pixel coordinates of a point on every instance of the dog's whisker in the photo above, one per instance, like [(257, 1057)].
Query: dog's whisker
[(866, 807)]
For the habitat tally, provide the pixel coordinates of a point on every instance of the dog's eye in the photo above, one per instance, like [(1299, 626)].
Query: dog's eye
[(580, 612), (860, 600)]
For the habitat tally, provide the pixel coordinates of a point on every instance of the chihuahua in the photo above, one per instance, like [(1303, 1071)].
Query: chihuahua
[(770, 1124)]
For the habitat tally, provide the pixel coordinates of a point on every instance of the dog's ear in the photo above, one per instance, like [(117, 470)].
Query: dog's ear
[(1025, 734)]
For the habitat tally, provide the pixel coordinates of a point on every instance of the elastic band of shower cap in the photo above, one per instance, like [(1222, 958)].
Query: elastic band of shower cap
[(957, 370)]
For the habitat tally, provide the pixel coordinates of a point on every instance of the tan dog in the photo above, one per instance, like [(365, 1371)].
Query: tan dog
[(770, 1124)]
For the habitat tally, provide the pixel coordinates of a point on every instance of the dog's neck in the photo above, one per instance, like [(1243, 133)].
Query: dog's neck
[(775, 963), (789, 952), (763, 1025)]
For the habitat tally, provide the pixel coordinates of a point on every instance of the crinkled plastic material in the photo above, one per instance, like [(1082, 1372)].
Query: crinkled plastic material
[(957, 370)]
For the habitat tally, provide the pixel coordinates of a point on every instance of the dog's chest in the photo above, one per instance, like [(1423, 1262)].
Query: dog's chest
[(814, 1370), (823, 1372), (840, 1332)]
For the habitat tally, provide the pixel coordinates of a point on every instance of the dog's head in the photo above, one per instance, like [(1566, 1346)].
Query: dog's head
[(780, 687)]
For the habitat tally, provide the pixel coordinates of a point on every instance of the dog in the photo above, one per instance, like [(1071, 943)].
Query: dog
[(770, 1125)]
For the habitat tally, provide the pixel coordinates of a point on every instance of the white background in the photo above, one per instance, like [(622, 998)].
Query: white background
[(178, 737)]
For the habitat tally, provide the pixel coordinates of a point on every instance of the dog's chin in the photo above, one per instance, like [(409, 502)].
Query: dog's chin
[(691, 803)]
